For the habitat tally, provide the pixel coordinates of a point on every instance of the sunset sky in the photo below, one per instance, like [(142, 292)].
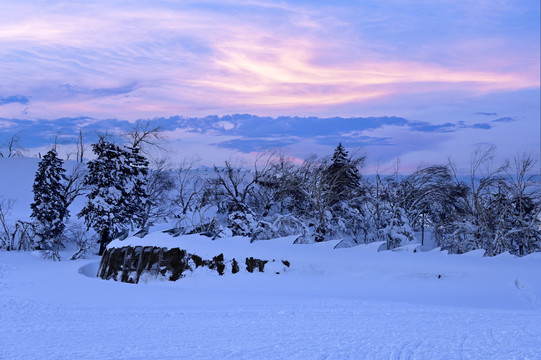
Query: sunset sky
[(421, 80)]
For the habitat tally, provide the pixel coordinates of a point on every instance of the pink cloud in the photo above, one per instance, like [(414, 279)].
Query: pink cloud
[(197, 61)]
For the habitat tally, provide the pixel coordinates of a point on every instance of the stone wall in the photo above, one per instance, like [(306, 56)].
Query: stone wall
[(128, 264)]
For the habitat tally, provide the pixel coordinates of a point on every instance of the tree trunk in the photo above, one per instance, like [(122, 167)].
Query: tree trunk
[(423, 229), (104, 240)]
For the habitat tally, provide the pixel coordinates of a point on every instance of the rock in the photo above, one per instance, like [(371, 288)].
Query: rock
[(128, 264), (252, 263), (234, 266)]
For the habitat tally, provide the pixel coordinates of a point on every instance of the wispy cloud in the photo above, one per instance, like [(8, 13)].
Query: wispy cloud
[(140, 59)]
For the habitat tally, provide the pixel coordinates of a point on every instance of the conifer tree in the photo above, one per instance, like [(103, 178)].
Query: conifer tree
[(49, 208), (338, 183), (117, 197), (136, 187), (342, 177)]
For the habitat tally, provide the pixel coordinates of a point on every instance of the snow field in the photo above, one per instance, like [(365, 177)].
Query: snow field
[(332, 304)]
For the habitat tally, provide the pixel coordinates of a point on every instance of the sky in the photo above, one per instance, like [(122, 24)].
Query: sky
[(415, 80)]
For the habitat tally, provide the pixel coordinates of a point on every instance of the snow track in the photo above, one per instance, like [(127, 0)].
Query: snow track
[(406, 351), (527, 294)]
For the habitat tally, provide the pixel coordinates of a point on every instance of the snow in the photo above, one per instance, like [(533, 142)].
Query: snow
[(384, 305), (16, 183), (349, 303)]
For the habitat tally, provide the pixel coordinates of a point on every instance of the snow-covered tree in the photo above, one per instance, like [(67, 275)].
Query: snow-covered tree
[(136, 187), (519, 209), (116, 198), (235, 189), (150, 188), (396, 230), (283, 189), (473, 225), (50, 207), (342, 177), (337, 187), (390, 220)]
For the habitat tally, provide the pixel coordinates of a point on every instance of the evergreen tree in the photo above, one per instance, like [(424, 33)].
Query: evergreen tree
[(136, 187), (116, 199), (338, 184), (342, 178), (49, 208)]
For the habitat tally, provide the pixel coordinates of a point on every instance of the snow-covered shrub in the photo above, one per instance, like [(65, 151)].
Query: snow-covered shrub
[(264, 231), (286, 225), (283, 225), (396, 230), (241, 223), (50, 255), (307, 236)]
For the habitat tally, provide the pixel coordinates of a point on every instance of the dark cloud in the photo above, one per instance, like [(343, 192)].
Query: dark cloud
[(14, 99), (101, 92), (250, 133), (114, 91), (254, 145), (424, 126), (427, 127), (505, 119), (482, 126), (284, 126), (485, 114), (44, 131)]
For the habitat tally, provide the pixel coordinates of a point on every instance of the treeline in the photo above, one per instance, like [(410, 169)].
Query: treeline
[(496, 209)]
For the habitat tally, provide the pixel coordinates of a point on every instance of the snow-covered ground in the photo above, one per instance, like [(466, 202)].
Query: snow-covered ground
[(354, 303), (346, 303)]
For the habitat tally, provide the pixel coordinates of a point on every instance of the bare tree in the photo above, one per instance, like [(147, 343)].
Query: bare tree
[(188, 185), (75, 182), (12, 147), (80, 147), (78, 234), (235, 183), (159, 185), (7, 232), (145, 137), (27, 232), (277, 190)]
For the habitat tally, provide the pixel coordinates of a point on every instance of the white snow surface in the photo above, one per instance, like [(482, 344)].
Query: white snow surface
[(352, 303)]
